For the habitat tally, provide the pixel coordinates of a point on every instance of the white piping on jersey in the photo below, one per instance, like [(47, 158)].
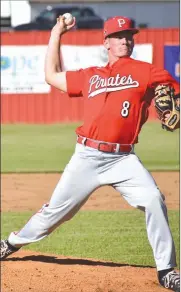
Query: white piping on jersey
[(109, 89)]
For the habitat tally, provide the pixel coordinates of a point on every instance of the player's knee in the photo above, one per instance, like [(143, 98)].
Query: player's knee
[(155, 199)]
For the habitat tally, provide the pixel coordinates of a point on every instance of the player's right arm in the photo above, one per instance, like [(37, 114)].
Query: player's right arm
[(53, 74)]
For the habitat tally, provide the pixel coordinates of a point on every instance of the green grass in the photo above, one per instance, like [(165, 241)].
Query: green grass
[(118, 236), (48, 148), (158, 148), (37, 148)]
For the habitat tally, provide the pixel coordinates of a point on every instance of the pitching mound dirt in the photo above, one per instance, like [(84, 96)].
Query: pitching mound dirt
[(30, 271)]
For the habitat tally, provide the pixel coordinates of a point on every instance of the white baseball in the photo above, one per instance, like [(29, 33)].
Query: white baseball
[(68, 18)]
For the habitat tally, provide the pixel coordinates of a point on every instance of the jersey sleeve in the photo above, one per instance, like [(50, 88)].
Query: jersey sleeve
[(160, 76), (75, 81)]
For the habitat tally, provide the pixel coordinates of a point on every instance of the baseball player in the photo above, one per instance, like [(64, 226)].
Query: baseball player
[(116, 101)]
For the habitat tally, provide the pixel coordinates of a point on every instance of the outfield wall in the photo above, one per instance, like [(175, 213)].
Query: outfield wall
[(54, 106)]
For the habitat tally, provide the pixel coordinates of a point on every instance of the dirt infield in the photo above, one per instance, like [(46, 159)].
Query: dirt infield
[(33, 190), (30, 271)]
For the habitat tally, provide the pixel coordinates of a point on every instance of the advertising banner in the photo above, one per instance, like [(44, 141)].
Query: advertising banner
[(22, 69), (76, 57), (172, 60)]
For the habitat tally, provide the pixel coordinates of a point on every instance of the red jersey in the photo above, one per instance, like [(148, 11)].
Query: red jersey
[(116, 98)]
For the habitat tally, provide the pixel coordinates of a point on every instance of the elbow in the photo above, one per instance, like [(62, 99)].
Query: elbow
[(50, 73), (48, 79)]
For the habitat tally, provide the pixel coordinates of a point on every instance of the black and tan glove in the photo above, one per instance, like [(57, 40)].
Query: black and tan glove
[(167, 106)]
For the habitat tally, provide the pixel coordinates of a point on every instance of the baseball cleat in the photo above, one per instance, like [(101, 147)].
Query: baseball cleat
[(7, 249), (171, 281)]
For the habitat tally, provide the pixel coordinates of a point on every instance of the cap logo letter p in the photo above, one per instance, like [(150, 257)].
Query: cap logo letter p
[(121, 21)]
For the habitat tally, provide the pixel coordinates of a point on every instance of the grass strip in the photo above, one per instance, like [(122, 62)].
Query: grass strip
[(117, 236)]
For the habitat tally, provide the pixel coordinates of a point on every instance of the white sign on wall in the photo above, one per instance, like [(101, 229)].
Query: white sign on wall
[(143, 52), (75, 57), (22, 69)]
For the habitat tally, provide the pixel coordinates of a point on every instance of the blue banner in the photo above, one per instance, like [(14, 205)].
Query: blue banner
[(172, 61)]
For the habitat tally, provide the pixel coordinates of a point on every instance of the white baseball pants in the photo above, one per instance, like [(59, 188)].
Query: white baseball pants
[(89, 169)]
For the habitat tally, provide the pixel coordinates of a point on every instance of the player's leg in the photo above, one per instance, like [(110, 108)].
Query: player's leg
[(141, 191), (138, 187), (78, 181), (128, 176)]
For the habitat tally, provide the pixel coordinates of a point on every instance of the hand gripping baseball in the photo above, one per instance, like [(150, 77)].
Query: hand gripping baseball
[(61, 27)]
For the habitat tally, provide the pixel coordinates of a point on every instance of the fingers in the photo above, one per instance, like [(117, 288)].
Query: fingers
[(60, 27), (61, 21), (73, 24), (166, 116)]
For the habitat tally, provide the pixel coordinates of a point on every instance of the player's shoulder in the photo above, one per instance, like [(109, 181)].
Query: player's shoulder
[(140, 63), (94, 69)]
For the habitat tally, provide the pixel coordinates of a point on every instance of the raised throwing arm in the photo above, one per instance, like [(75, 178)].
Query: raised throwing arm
[(53, 74)]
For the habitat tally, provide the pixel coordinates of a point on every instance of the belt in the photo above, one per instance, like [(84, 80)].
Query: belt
[(105, 146)]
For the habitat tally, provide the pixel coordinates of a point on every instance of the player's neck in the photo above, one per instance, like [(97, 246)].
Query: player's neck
[(114, 59)]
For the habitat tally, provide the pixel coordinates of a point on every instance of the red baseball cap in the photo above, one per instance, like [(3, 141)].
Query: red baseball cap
[(118, 23)]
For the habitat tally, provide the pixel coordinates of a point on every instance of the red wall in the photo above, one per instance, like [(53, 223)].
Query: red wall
[(56, 107)]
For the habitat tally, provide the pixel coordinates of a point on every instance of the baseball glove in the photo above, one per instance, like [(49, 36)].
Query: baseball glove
[(167, 106)]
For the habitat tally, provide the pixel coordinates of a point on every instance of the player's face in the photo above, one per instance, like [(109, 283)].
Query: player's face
[(120, 44)]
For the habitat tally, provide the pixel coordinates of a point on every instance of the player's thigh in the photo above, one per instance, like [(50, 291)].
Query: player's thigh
[(140, 188), (77, 182), (139, 197), (123, 168), (132, 172)]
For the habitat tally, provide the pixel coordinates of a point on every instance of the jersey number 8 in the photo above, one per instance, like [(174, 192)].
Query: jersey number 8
[(125, 109)]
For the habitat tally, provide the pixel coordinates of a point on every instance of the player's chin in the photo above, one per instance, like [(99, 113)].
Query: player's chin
[(124, 53)]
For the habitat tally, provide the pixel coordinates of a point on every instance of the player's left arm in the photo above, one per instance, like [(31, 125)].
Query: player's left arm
[(166, 98)]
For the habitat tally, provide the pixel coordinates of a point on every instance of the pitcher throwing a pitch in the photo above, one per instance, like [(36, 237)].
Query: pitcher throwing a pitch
[(116, 101)]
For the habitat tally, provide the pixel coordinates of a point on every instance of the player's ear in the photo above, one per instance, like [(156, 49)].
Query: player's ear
[(106, 43)]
